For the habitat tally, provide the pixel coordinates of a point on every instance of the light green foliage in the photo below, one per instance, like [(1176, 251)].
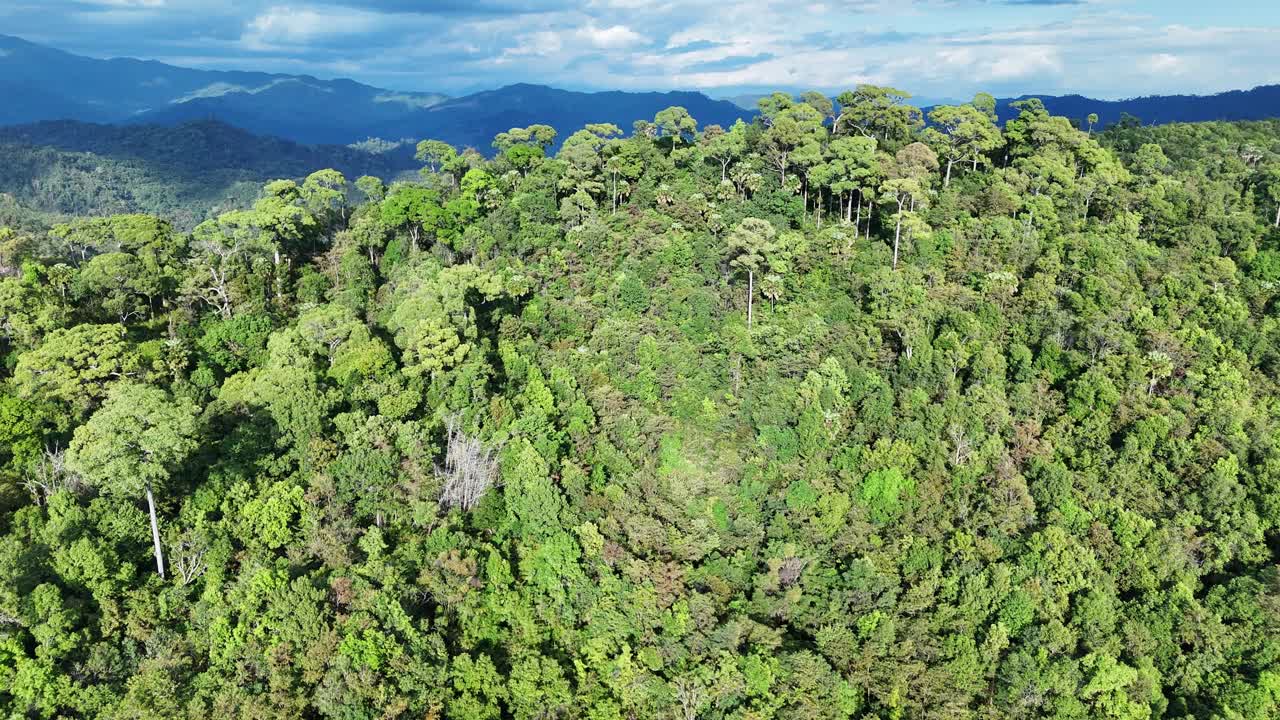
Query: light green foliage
[(139, 436), (675, 123), (74, 367)]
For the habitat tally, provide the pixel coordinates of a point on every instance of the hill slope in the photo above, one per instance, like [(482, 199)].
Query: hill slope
[(1260, 103), (187, 170)]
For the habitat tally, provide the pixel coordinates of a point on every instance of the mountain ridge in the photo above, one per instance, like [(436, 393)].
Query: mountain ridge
[(59, 85)]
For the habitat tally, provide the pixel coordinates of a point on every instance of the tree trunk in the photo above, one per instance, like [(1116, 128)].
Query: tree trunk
[(155, 532), (947, 182), (751, 291), (724, 169), (871, 209), (897, 236), (1278, 216), (857, 223)]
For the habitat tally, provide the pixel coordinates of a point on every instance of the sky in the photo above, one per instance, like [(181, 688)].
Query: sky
[(943, 49)]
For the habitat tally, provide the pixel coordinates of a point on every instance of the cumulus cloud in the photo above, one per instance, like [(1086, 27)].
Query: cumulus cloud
[(613, 37), (299, 25)]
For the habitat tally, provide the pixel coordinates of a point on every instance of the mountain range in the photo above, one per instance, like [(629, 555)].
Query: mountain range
[(39, 83)]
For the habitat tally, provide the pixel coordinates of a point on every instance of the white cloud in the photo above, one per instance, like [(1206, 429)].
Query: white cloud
[(219, 89), (537, 44), (610, 38), (288, 25), (1163, 63)]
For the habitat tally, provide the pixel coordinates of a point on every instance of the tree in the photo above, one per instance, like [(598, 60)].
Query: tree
[(133, 444), (820, 102), (324, 194), (879, 112), (725, 147), (852, 167), (372, 187), (412, 207), (75, 366), (624, 163), (437, 154), (906, 183), (961, 133), (118, 284), (792, 128), (675, 123), (1271, 188), (751, 244), (582, 151)]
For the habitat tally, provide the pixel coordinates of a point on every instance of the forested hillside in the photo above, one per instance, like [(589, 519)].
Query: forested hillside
[(185, 172), (830, 415)]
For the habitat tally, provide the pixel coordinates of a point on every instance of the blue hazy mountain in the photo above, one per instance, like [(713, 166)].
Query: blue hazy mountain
[(42, 83)]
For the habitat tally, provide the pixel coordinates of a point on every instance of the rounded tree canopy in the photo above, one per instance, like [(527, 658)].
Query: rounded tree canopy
[(139, 436)]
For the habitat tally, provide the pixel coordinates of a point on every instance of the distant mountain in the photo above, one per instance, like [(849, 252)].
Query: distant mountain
[(1260, 103), (183, 172), (41, 83), (474, 120)]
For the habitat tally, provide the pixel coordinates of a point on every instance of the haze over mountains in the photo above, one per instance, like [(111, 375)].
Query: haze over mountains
[(40, 83)]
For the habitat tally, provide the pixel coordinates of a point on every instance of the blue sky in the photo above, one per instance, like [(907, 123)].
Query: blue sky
[(934, 48)]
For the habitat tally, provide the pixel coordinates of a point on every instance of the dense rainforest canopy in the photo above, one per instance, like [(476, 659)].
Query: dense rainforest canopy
[(843, 413)]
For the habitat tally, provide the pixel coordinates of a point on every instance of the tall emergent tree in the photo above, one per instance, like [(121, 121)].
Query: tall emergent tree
[(132, 445), (750, 245)]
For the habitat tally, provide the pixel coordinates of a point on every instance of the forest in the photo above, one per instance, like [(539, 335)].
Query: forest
[(851, 411)]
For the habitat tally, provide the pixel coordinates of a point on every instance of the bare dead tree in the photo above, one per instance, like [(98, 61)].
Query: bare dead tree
[(789, 571), (50, 475), (186, 557), (470, 468)]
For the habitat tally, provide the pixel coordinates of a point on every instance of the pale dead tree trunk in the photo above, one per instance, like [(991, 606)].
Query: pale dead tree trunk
[(751, 291), (897, 233), (155, 531), (947, 182), (1277, 216), (871, 208)]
